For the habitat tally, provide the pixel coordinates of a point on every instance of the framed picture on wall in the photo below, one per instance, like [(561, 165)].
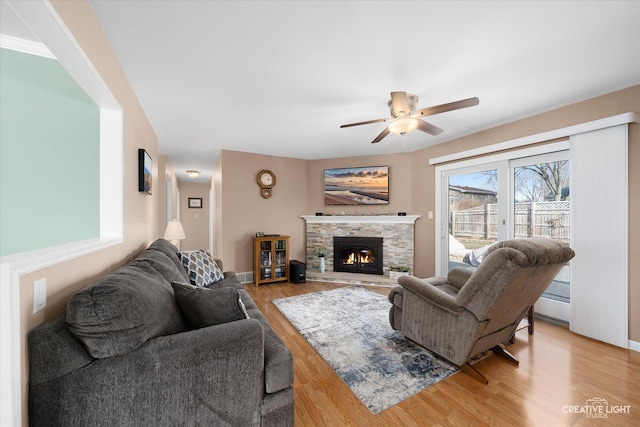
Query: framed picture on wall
[(145, 178), (357, 186), (195, 202)]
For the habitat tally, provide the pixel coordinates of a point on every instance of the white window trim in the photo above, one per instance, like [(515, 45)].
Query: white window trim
[(43, 20), (624, 118)]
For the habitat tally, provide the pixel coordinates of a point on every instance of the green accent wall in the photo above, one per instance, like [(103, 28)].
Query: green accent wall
[(49, 156)]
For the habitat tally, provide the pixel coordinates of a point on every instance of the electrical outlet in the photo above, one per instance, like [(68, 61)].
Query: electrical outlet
[(39, 295), (430, 214)]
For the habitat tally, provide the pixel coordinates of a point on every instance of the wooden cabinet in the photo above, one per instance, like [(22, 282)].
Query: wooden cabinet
[(270, 259)]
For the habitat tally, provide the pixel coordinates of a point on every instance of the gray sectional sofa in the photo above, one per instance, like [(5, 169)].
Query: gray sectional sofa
[(124, 353)]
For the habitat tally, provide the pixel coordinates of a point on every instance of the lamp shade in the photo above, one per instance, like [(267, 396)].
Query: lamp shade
[(403, 125), (174, 231)]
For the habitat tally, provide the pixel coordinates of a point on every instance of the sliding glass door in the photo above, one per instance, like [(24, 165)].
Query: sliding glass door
[(541, 207), (512, 198), (474, 221)]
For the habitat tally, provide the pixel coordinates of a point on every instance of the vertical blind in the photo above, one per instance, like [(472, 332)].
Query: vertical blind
[(599, 271)]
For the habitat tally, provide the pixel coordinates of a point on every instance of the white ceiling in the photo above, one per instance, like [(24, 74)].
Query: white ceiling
[(280, 77)]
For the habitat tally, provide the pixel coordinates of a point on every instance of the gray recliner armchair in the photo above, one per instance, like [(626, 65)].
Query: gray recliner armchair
[(472, 311)]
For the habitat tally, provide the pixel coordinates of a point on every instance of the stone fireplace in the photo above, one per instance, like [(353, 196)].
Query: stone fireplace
[(396, 232)]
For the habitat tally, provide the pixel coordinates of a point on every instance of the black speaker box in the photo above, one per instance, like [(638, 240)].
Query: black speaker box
[(297, 272)]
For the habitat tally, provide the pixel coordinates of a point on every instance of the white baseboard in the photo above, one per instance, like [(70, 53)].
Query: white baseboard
[(245, 277), (634, 345), (553, 309)]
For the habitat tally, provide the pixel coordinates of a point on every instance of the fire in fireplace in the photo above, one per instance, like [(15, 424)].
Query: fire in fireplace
[(357, 254)]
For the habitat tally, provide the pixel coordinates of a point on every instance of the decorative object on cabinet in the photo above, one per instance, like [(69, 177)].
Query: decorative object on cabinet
[(266, 181), (270, 259), (195, 202), (145, 178)]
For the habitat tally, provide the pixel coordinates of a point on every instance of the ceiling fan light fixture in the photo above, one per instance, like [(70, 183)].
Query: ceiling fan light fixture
[(193, 173), (403, 125)]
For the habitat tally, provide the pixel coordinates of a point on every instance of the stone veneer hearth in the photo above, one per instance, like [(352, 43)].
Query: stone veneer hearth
[(397, 233)]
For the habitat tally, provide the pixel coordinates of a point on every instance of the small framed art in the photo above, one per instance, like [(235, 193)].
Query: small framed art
[(145, 178), (195, 202)]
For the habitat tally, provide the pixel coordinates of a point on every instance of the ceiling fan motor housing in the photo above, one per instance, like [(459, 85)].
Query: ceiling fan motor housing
[(412, 103)]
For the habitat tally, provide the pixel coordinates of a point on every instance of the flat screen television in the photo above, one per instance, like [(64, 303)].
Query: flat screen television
[(357, 186)]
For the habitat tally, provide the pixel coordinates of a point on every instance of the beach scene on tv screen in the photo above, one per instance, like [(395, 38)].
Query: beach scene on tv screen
[(357, 186)]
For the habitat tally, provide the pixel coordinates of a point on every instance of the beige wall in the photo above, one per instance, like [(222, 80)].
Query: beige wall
[(216, 193), (194, 221), (166, 173), (400, 184), (140, 211), (412, 184), (244, 211)]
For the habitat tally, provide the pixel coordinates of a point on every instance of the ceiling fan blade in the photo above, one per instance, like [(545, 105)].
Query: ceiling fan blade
[(384, 133), (429, 111), (400, 103), (368, 122), (429, 128)]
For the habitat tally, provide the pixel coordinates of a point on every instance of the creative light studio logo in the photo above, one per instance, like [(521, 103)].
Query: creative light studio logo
[(597, 407)]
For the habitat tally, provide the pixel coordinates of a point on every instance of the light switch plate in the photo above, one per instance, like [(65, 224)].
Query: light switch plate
[(39, 295)]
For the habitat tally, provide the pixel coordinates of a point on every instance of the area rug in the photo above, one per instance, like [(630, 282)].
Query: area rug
[(349, 327)]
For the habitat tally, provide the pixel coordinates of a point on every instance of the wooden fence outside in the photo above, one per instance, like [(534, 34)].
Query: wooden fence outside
[(532, 219)]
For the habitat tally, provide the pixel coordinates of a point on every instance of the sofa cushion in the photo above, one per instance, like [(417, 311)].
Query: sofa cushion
[(167, 248), (246, 299), (124, 309), (201, 268), (162, 264), (278, 361), (229, 281), (204, 307)]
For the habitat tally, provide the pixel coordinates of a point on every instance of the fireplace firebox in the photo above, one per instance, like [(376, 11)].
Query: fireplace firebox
[(357, 255)]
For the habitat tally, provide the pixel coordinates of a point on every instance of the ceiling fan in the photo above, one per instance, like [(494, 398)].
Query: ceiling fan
[(404, 117)]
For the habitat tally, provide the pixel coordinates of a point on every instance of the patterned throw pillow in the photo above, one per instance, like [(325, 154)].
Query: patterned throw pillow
[(201, 268)]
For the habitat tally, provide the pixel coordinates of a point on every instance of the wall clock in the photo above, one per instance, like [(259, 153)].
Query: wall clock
[(266, 181)]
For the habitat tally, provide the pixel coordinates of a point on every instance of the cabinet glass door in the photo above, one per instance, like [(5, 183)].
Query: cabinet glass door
[(281, 257), (265, 260)]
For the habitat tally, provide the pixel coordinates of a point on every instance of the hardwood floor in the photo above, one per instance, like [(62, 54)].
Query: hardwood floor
[(559, 371)]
